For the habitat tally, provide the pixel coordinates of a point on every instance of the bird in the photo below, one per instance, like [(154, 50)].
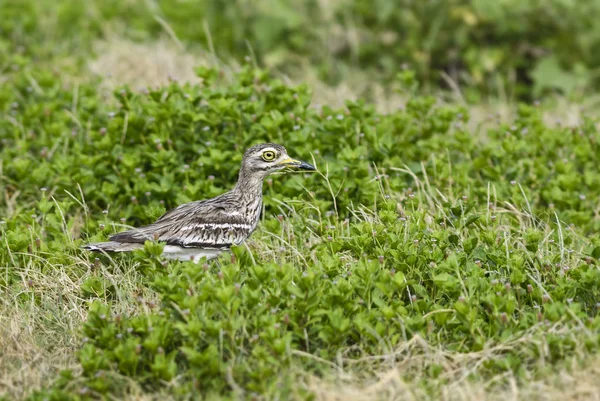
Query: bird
[(206, 228)]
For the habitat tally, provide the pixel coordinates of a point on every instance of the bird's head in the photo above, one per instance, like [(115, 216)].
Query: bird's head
[(261, 160)]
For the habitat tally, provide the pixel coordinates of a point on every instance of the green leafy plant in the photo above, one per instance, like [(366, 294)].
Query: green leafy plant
[(413, 228)]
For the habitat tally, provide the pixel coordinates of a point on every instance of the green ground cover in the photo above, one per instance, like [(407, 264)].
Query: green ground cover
[(426, 259)]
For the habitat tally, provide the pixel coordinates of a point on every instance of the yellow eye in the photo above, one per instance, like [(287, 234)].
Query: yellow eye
[(268, 155)]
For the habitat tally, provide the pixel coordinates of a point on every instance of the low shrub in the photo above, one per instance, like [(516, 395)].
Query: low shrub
[(412, 227)]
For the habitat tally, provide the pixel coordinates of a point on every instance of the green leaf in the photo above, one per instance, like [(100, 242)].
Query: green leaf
[(445, 281)]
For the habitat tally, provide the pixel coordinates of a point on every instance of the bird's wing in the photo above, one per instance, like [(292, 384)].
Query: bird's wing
[(201, 224)]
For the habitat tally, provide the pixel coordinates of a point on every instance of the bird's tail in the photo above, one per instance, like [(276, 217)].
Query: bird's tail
[(113, 246)]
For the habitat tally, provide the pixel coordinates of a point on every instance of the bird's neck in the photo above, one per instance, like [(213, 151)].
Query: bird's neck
[(249, 183), (249, 188)]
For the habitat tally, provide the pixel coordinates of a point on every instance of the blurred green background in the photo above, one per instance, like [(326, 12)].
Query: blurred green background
[(521, 49)]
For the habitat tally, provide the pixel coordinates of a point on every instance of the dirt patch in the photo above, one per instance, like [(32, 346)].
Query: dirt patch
[(139, 65)]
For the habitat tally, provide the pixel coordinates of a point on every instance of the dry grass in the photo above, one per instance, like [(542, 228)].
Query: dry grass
[(578, 381), (32, 355), (565, 385), (38, 330), (40, 319)]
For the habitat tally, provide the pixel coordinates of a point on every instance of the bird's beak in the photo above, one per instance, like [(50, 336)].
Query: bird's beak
[(298, 164)]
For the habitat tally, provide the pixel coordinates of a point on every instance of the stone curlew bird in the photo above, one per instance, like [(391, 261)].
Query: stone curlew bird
[(208, 227)]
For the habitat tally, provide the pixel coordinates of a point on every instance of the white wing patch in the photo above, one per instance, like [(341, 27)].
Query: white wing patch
[(214, 226), (189, 254)]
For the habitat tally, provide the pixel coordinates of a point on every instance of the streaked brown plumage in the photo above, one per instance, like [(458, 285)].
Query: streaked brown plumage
[(207, 227)]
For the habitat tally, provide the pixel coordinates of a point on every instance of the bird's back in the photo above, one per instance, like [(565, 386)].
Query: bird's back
[(201, 228), (218, 222)]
